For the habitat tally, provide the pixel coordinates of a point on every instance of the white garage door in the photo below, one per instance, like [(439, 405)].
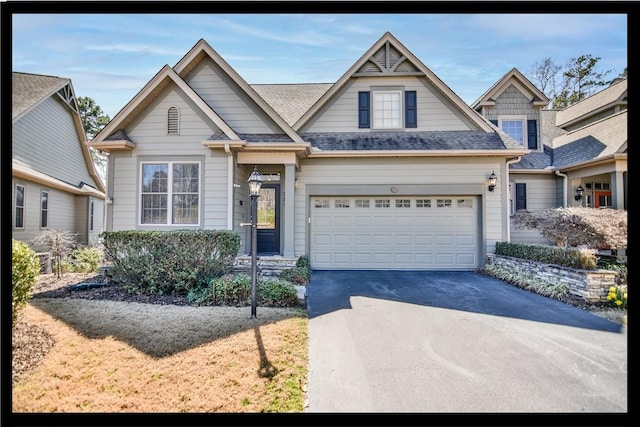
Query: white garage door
[(394, 232)]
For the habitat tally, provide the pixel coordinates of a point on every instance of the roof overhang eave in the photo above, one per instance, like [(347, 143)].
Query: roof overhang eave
[(416, 153), (114, 145), (25, 172)]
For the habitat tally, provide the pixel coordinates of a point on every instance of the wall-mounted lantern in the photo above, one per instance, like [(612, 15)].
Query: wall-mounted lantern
[(493, 179), (579, 192)]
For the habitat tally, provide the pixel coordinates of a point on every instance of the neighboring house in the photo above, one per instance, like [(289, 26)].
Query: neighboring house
[(583, 145), (387, 168), (54, 181)]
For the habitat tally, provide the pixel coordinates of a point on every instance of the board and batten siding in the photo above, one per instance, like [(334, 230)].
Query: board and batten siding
[(539, 188), (47, 141), (340, 114), (399, 172), (230, 102)]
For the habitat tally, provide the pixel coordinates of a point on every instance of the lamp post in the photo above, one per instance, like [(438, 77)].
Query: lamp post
[(255, 182)]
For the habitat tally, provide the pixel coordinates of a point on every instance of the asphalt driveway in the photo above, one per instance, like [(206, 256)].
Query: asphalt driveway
[(442, 341)]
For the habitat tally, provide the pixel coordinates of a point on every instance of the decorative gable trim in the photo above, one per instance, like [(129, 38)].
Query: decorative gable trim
[(520, 82), (158, 83), (203, 49), (389, 57)]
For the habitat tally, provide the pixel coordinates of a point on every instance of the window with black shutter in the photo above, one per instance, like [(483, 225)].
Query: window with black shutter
[(532, 134), (521, 196), (364, 107)]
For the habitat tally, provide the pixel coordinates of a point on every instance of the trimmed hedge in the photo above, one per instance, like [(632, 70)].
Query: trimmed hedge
[(169, 262), (575, 258)]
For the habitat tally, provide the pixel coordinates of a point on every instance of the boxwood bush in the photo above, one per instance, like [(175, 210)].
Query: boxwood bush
[(575, 258), (169, 262)]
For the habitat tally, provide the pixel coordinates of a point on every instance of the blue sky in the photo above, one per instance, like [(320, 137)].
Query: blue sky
[(110, 57)]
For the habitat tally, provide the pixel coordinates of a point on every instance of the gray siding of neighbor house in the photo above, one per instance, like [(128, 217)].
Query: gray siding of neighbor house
[(238, 110), (62, 212), (340, 114), (46, 140), (403, 173), (539, 190), (149, 132)]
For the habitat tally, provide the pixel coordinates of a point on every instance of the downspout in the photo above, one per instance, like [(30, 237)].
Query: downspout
[(230, 186), (508, 210), (564, 187)]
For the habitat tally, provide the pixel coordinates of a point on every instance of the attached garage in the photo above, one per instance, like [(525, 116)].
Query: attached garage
[(386, 233)]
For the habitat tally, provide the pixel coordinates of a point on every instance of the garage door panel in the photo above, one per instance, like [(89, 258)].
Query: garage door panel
[(394, 232)]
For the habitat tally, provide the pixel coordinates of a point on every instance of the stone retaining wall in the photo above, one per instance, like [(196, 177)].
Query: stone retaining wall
[(592, 285), (266, 265)]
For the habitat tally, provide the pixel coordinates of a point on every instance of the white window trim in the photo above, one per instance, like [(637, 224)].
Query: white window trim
[(43, 210), (91, 214), (24, 206), (169, 164), (400, 93), (521, 118)]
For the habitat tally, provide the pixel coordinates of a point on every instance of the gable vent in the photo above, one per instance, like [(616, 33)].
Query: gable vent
[(173, 121)]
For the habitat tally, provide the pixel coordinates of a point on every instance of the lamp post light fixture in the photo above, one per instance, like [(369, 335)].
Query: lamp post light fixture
[(493, 179), (579, 192), (255, 182)]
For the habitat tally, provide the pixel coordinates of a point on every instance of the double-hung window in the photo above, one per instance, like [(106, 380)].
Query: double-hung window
[(19, 214), (515, 127), (170, 193), (387, 109), (44, 209)]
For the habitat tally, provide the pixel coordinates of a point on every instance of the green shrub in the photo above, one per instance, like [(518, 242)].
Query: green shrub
[(25, 268), (84, 260), (170, 262), (575, 258), (296, 275), (303, 262), (528, 282), (274, 292)]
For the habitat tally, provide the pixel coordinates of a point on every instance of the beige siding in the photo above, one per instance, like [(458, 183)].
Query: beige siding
[(541, 190), (124, 179), (228, 100), (149, 130), (46, 140), (214, 190), (98, 220), (62, 213), (341, 113), (512, 102), (399, 172)]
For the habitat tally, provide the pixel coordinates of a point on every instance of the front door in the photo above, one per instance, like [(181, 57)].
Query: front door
[(602, 199), (269, 220)]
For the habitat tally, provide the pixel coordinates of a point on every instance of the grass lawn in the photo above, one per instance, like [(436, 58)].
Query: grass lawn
[(111, 356)]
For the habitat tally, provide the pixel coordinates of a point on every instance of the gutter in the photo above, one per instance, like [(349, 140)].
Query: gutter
[(565, 178), (230, 175), (508, 210)]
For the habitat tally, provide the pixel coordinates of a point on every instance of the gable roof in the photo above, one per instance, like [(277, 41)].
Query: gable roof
[(201, 50), (145, 96), (29, 90), (388, 56), (517, 79), (615, 94)]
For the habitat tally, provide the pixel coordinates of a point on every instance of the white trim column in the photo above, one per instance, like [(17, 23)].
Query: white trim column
[(288, 199), (617, 190)]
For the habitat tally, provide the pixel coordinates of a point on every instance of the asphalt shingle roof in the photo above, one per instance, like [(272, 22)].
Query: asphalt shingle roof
[(583, 149), (437, 140), (535, 160), (29, 89), (291, 101)]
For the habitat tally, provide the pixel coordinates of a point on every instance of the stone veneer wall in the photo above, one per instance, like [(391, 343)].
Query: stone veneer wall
[(267, 265), (592, 285)]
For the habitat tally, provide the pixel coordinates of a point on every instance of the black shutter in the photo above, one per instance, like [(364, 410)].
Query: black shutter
[(410, 109), (364, 110), (521, 196), (532, 134)]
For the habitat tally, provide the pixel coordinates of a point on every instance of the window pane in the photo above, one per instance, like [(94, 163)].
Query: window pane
[(44, 203), (154, 178), (185, 178), (154, 208), (19, 206), (387, 110), (515, 129), (185, 209)]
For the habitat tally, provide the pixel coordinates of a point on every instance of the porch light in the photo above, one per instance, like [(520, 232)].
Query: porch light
[(255, 182), (493, 179), (579, 192)]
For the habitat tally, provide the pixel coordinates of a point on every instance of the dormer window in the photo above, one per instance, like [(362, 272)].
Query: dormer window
[(515, 127), (173, 121)]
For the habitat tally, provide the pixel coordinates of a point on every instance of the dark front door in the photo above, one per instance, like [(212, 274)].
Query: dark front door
[(269, 219)]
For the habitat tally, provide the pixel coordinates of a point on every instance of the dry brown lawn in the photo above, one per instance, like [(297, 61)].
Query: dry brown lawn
[(112, 356)]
